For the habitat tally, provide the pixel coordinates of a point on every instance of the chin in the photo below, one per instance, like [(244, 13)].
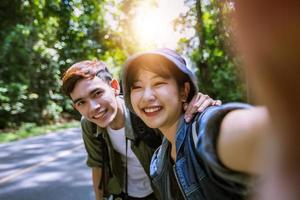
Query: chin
[(100, 124), (152, 125), (103, 123)]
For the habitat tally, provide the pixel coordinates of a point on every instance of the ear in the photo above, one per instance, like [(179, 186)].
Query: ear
[(185, 91), (115, 86)]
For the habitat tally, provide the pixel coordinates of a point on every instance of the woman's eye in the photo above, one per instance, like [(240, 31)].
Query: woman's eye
[(159, 83), (134, 87)]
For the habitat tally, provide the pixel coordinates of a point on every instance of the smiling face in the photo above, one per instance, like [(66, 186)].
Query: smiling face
[(157, 100), (96, 100)]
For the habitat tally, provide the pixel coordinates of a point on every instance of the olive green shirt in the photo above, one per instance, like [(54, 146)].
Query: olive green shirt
[(93, 147)]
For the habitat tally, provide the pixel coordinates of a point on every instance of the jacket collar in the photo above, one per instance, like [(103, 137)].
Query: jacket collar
[(180, 133)]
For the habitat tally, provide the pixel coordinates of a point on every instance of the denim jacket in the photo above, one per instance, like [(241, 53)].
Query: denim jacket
[(199, 173)]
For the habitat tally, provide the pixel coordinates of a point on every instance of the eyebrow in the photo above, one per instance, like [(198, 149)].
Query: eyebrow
[(80, 98), (156, 76)]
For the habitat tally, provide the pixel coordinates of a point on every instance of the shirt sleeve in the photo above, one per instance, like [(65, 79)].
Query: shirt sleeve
[(92, 144), (208, 131)]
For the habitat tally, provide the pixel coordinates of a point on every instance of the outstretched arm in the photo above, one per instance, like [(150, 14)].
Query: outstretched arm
[(242, 139)]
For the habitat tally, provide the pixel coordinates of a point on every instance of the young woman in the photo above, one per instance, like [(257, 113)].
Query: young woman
[(214, 156)]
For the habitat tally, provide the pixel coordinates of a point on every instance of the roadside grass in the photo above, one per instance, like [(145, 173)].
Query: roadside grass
[(31, 129)]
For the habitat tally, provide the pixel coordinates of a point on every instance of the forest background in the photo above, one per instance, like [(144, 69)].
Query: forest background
[(40, 39)]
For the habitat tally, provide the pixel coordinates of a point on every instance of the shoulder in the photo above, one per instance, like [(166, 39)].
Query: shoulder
[(206, 136), (208, 125), (209, 122), (88, 128), (216, 113)]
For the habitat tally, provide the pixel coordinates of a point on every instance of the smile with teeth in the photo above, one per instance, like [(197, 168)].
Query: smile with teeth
[(99, 114), (152, 109)]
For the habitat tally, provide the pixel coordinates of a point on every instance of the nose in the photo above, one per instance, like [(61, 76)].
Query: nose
[(148, 94), (94, 105)]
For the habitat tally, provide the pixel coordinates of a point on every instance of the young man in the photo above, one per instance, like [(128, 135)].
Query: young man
[(127, 140)]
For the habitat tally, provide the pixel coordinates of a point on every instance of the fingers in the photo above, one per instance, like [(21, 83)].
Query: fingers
[(203, 103), (190, 109), (198, 104), (217, 103), (208, 102)]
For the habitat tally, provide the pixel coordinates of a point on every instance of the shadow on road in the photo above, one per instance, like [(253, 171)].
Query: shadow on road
[(65, 177)]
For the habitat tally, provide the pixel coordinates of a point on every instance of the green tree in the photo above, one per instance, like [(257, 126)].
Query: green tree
[(40, 40), (217, 69)]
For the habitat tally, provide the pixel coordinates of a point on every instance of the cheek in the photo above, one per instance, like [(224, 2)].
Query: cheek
[(134, 98), (81, 110), (171, 92)]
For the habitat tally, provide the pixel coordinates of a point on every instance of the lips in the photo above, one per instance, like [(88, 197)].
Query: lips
[(152, 110), (100, 114)]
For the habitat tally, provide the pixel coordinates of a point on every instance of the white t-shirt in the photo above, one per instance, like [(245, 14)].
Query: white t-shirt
[(138, 182)]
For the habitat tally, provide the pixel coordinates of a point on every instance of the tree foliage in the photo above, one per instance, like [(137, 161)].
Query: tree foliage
[(217, 70), (40, 39)]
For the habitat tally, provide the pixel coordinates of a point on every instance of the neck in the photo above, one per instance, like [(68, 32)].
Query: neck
[(119, 121), (170, 134)]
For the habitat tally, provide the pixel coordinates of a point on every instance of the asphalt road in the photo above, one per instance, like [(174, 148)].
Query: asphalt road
[(49, 167)]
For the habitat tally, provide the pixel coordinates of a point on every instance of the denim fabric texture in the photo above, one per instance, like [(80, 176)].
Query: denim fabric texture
[(199, 172)]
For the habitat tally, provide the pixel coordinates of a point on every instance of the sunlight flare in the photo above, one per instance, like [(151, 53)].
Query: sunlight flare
[(153, 25)]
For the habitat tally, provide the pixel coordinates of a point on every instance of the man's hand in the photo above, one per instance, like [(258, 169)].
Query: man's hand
[(198, 104)]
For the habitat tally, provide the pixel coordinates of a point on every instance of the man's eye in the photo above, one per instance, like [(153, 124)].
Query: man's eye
[(98, 93), (80, 103)]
